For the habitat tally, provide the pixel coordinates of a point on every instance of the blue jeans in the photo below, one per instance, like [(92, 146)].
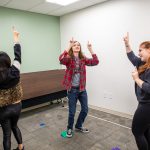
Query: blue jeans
[(74, 95)]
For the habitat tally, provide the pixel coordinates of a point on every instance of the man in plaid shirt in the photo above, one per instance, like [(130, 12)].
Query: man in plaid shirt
[(75, 82)]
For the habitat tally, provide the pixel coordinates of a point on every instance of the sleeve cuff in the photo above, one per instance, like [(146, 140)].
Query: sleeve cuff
[(65, 51), (16, 43), (94, 55), (17, 64), (130, 54)]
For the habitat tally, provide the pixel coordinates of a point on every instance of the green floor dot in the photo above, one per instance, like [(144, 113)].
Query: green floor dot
[(64, 134)]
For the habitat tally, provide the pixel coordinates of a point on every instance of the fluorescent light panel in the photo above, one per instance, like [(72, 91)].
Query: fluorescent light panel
[(62, 2)]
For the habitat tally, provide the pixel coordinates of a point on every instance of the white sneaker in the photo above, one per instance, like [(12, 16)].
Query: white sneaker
[(69, 133)]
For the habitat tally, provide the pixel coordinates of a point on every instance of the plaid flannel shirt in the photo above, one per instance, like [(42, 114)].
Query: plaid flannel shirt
[(66, 60)]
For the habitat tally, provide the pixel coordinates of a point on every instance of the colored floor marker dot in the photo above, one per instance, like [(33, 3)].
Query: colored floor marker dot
[(64, 134), (116, 148), (42, 125)]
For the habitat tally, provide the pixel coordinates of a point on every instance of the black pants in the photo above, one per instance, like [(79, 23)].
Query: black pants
[(9, 116), (141, 126)]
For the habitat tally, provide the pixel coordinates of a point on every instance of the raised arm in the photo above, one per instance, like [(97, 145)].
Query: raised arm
[(91, 61), (64, 58), (126, 42), (17, 49), (136, 61)]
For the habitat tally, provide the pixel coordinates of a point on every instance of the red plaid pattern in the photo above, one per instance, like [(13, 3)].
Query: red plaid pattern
[(65, 59)]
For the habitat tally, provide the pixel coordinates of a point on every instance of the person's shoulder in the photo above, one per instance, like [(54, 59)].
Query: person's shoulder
[(13, 68), (148, 70)]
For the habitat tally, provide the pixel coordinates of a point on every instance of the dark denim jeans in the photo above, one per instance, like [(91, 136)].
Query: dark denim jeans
[(74, 95)]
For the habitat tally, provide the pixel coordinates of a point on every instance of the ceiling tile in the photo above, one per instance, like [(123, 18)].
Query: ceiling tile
[(24, 4), (74, 7), (45, 8)]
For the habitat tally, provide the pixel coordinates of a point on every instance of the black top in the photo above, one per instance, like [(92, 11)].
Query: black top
[(13, 73), (143, 94)]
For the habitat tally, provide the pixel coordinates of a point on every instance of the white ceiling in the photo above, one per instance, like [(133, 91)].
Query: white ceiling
[(43, 7)]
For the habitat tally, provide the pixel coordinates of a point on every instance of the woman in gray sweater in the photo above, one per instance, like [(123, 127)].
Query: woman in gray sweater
[(141, 76)]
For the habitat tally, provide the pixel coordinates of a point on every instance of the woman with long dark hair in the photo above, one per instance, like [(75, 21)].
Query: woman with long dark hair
[(10, 95), (75, 82), (141, 76)]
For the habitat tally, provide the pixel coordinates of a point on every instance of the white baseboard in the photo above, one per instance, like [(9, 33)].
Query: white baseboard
[(42, 105), (34, 107), (90, 106), (112, 112)]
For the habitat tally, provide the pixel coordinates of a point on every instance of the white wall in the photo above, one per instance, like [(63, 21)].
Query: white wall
[(109, 84)]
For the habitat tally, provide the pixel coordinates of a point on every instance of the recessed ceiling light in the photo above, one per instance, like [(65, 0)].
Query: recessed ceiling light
[(62, 2)]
